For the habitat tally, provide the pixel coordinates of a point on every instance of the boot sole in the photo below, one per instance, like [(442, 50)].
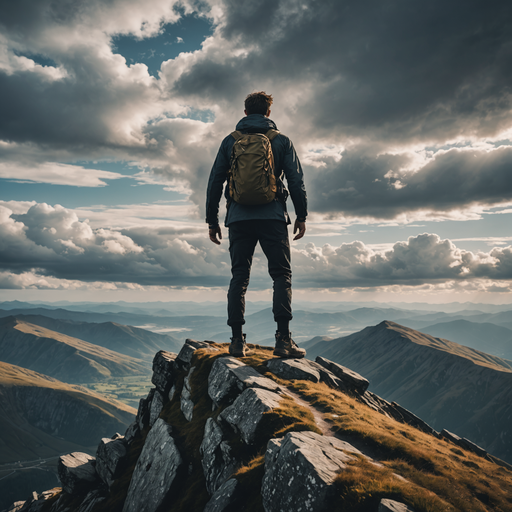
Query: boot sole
[(288, 355)]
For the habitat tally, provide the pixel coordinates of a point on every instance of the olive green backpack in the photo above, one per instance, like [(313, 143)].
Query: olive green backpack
[(251, 177)]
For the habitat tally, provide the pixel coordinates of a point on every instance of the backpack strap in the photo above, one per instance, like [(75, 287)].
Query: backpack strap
[(272, 134), (236, 135)]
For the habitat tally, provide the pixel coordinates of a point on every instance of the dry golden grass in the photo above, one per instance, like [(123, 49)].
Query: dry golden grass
[(463, 480)]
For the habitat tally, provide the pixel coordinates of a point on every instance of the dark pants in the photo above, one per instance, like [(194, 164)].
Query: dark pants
[(273, 238)]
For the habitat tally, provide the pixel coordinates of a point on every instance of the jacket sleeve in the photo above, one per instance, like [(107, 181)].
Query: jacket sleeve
[(295, 180), (218, 176)]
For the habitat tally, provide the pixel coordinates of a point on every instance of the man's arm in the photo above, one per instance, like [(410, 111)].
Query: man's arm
[(295, 180), (216, 181), (300, 227), (213, 232)]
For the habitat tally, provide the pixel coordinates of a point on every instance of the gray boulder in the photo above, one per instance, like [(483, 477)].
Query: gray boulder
[(300, 470), (293, 369), (246, 412), (110, 456), (473, 447), (187, 351), (94, 498), (155, 470), (187, 405), (155, 407), (77, 472), (143, 412), (454, 438), (216, 456), (131, 432), (406, 416), (172, 391), (164, 368), (386, 505), (464, 443), (229, 377), (351, 380), (376, 403), (223, 497)]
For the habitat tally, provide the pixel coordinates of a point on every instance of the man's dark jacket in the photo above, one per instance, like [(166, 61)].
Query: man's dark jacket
[(286, 163)]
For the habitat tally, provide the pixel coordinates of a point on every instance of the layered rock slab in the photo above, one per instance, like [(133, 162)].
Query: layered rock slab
[(187, 352), (187, 405), (300, 470), (291, 369), (229, 377), (246, 412), (386, 505), (217, 458), (155, 471), (77, 472), (164, 368), (223, 498), (350, 379), (110, 456)]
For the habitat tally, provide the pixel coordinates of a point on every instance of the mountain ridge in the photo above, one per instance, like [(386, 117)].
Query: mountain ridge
[(61, 356), (448, 385)]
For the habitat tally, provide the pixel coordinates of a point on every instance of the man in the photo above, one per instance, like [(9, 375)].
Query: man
[(263, 223)]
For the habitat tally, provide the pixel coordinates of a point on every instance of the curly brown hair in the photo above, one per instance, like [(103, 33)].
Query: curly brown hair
[(258, 103)]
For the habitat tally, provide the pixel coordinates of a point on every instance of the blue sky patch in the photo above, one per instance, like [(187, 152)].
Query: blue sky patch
[(184, 36)]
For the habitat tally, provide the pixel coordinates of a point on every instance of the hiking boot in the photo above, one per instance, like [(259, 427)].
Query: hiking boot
[(238, 347), (287, 348)]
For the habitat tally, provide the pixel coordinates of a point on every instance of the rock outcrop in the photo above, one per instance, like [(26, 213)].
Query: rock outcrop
[(244, 437), (77, 473), (110, 456), (155, 471), (300, 470)]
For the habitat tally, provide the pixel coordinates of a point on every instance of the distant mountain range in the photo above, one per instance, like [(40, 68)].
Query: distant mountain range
[(60, 356), (127, 340), (137, 341), (448, 385), (487, 337)]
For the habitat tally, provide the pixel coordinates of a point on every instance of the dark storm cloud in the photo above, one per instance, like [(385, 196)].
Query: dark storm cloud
[(416, 70), (360, 185), (82, 97)]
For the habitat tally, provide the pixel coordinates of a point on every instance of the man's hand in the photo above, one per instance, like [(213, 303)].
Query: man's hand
[(213, 232), (300, 227)]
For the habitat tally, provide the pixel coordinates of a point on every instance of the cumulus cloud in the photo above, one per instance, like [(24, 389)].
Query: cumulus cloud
[(420, 260), (51, 241), (49, 245)]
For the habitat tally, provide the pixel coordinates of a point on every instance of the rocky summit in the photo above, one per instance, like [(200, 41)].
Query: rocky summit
[(258, 433)]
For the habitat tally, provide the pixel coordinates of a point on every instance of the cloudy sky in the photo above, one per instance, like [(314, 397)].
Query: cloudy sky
[(112, 112)]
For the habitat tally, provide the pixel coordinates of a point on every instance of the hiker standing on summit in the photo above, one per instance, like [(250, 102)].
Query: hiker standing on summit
[(253, 160)]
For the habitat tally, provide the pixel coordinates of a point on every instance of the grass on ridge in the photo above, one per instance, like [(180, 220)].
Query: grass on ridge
[(465, 481)]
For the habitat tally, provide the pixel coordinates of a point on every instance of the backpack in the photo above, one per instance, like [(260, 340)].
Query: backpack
[(251, 176)]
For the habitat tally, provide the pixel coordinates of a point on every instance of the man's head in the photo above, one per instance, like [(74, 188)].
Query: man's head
[(258, 103)]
